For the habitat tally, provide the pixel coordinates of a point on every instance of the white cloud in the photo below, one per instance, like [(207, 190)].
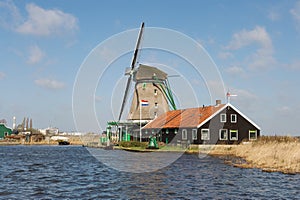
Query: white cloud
[(295, 12), (263, 56), (2, 75), (41, 22), (47, 22), (235, 71), (244, 38), (49, 83), (35, 55)]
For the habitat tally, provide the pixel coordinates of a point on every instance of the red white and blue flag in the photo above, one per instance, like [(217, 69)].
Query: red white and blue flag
[(144, 103)]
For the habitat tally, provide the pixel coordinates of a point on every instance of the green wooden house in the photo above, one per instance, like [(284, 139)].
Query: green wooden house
[(4, 131)]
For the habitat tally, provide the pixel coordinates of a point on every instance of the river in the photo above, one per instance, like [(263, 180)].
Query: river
[(74, 172)]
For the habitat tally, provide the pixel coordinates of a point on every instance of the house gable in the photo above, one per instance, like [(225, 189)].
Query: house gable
[(221, 110)]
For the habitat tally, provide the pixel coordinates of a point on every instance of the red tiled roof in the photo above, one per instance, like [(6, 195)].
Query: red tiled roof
[(190, 117)]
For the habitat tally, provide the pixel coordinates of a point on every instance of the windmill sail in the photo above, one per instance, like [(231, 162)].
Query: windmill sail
[(133, 63)]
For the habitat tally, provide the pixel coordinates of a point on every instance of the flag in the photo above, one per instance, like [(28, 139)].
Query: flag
[(144, 103)]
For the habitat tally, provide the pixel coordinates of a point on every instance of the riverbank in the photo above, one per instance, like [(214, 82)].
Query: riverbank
[(271, 154), (268, 153), (74, 140)]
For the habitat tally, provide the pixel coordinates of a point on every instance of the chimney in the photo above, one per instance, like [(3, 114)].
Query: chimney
[(218, 102)]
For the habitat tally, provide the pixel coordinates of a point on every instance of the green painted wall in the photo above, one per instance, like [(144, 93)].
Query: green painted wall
[(4, 131)]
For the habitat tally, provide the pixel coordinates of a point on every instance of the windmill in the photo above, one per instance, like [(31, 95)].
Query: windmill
[(152, 97)]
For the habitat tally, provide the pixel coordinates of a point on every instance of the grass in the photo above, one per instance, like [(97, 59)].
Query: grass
[(271, 153)]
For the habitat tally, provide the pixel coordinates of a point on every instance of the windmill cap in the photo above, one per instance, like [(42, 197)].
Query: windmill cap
[(145, 72)]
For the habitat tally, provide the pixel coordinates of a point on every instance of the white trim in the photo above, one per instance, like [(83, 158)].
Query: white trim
[(220, 138), (237, 134), (234, 108), (208, 133), (253, 131), (184, 133), (223, 114), (233, 121), (212, 116), (194, 134)]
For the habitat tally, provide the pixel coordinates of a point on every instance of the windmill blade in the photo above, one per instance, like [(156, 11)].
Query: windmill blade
[(133, 63), (137, 47), (125, 96)]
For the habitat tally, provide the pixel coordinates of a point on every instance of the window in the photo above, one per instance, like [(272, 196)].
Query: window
[(233, 118), (155, 91), (223, 134), (223, 118), (167, 131), (233, 134), (194, 134), (252, 134), (204, 134), (184, 134), (155, 104), (175, 131), (144, 86)]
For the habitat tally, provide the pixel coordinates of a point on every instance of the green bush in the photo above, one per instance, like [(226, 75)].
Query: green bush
[(133, 144)]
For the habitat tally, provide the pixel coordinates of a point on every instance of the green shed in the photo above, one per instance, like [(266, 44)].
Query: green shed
[(4, 131)]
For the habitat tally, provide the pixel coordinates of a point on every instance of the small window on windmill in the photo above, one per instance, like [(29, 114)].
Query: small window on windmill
[(144, 86), (155, 114), (155, 105), (155, 92)]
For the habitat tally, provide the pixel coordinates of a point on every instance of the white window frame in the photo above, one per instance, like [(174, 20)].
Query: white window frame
[(252, 131), (221, 134), (221, 118), (184, 134), (202, 135), (235, 117), (194, 134), (234, 131)]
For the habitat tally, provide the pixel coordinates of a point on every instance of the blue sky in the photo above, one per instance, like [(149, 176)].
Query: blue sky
[(254, 44)]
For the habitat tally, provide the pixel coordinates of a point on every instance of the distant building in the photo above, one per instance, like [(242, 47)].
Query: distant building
[(217, 124), (49, 131), (4, 131)]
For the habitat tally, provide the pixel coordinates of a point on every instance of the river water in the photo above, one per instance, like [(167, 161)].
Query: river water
[(72, 172)]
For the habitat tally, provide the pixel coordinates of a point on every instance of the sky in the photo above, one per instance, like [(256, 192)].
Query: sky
[(252, 46)]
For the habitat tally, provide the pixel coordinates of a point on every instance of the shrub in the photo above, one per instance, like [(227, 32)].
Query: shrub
[(133, 144)]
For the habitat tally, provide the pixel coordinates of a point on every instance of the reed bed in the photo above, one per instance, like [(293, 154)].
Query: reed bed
[(271, 153)]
